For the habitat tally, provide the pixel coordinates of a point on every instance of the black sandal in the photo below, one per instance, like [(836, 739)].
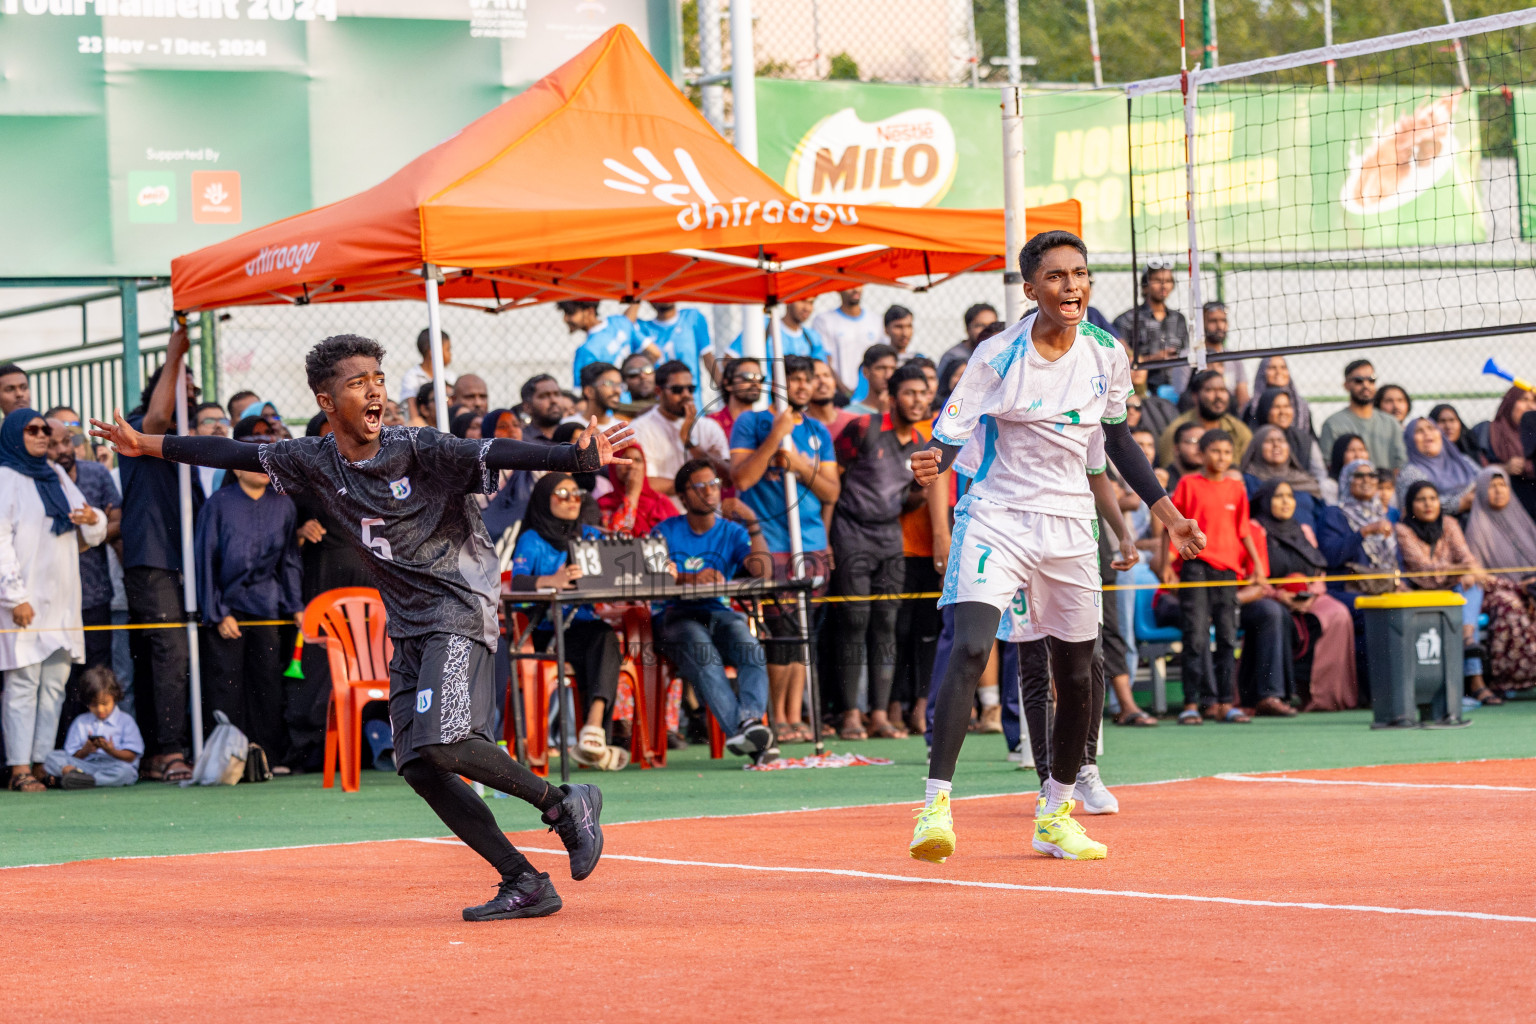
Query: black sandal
[(1137, 718), (1488, 697), (25, 782)]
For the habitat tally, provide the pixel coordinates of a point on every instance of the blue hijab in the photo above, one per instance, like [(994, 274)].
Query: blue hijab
[(13, 455)]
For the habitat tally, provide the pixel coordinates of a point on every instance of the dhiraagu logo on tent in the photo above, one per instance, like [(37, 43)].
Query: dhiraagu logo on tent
[(907, 159), (644, 173)]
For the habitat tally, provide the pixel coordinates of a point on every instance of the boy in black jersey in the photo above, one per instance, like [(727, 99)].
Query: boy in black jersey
[(403, 495)]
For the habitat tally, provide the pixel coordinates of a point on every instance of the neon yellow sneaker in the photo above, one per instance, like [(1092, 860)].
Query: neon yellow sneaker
[(1060, 835), (933, 840)]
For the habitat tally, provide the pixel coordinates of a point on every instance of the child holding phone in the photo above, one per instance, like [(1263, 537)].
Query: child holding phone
[(103, 746)]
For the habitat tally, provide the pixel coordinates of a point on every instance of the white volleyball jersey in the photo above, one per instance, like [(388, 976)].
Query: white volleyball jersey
[(1038, 418)]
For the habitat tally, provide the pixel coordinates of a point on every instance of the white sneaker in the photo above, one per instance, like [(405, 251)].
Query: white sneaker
[(1023, 757), (1091, 794)]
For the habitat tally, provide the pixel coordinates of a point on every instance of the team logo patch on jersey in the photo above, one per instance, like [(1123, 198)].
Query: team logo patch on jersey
[(401, 488), (952, 410), (693, 563), (1100, 384), (423, 701)]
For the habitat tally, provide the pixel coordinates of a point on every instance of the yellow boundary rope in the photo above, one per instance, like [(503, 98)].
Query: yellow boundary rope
[(1347, 578), (934, 595)]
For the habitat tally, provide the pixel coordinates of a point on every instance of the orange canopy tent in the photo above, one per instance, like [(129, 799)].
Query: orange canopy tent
[(601, 181)]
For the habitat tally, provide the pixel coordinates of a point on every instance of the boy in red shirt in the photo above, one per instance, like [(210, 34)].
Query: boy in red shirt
[(1219, 505)]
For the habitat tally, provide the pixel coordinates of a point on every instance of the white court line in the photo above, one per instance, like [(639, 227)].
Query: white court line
[(1235, 777), (1359, 908), (606, 824)]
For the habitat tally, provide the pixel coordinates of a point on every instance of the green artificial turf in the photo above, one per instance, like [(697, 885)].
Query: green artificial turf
[(153, 818)]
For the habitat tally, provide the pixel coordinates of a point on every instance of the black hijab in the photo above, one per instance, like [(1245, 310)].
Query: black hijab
[(1336, 457), (1428, 532), (1297, 434), (556, 531), (1289, 550), (1465, 442), (459, 425)]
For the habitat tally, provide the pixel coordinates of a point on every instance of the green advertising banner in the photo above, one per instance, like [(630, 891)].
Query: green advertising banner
[(132, 131), (1300, 169)]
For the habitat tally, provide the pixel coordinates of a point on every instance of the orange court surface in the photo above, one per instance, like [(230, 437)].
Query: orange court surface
[(1390, 893)]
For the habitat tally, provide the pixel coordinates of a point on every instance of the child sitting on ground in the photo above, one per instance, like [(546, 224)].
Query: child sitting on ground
[(103, 746)]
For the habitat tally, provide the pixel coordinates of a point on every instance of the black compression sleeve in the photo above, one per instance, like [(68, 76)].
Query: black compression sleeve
[(216, 452), (1132, 463), (948, 453), (506, 453)]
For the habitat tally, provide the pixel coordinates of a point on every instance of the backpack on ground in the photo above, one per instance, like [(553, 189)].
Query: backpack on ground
[(224, 755)]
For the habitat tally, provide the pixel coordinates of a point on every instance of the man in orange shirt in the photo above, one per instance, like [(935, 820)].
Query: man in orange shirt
[(1219, 505)]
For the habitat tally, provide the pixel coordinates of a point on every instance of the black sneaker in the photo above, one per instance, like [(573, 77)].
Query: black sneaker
[(751, 741), (527, 895), (77, 780), (578, 826)]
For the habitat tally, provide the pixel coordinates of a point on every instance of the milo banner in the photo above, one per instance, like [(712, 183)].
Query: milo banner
[(1297, 170)]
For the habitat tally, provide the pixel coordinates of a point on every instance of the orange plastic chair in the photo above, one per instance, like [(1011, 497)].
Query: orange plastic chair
[(350, 622)]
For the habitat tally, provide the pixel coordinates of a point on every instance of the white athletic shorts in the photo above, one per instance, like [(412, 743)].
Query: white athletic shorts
[(996, 554)]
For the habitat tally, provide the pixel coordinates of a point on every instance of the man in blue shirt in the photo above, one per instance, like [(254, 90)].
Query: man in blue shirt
[(681, 334), (701, 637), (798, 338), (759, 460), (608, 340)]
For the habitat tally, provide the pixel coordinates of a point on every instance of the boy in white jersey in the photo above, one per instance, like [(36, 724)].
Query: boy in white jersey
[(1045, 386)]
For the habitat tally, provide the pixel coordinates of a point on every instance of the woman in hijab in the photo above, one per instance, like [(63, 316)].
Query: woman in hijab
[(594, 485), (542, 561), (1323, 623), (1274, 372), (1430, 458), (40, 622), (1455, 431), (1269, 458), (1431, 542), (1502, 535), (1367, 514), (466, 425), (1277, 408), (1347, 448), (633, 507), (1508, 448), (503, 511)]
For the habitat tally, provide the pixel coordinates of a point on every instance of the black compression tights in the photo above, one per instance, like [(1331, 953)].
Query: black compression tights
[(435, 778), (1071, 663), (1038, 704)]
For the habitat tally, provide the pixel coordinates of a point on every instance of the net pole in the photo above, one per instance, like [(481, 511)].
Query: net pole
[(1093, 46), (1328, 39), (435, 336), (744, 138), (188, 562), (1013, 201), (1461, 54), (1208, 27), (1011, 31), (1196, 321)]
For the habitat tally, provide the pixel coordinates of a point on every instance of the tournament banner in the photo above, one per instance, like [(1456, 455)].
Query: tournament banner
[(132, 131), (1299, 169)]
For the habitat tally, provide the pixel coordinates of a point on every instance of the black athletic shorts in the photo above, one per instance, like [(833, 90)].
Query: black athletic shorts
[(442, 689)]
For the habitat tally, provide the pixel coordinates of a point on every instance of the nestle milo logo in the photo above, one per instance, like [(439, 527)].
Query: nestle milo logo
[(281, 257)]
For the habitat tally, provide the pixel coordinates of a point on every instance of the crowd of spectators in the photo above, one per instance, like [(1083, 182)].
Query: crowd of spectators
[(1373, 490)]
